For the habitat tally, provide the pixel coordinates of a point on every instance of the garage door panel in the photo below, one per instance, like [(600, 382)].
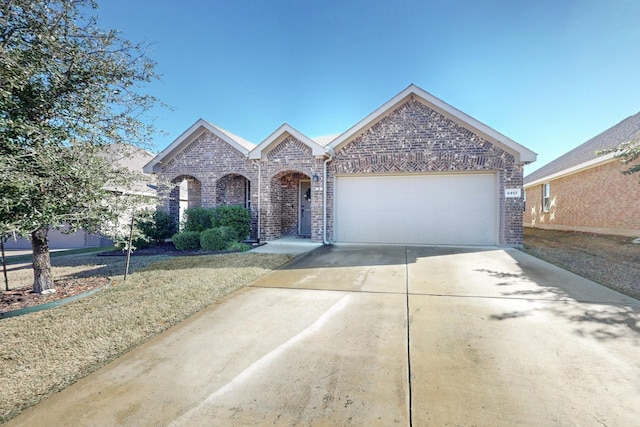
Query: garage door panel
[(417, 209)]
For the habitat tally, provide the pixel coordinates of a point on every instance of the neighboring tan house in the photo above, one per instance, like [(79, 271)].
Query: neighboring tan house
[(414, 171), (581, 191), (135, 161)]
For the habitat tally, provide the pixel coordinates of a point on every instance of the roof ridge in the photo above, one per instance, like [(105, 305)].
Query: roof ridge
[(609, 138), (240, 140)]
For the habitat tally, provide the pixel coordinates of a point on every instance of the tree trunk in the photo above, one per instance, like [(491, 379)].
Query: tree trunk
[(42, 279), (4, 264)]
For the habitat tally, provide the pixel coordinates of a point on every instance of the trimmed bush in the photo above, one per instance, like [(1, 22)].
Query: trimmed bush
[(218, 239), (156, 226), (187, 240), (236, 217), (199, 219)]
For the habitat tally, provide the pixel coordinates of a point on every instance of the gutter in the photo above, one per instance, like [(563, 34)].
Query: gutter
[(571, 170), (324, 195)]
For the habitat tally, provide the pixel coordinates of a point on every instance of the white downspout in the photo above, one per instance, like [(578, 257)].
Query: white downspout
[(259, 196), (324, 195)]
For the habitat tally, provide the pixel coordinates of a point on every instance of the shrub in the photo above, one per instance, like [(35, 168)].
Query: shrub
[(218, 239), (186, 240), (236, 217), (141, 243), (199, 219), (156, 226), (238, 247)]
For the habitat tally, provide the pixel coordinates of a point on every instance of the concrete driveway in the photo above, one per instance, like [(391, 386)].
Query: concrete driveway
[(366, 335)]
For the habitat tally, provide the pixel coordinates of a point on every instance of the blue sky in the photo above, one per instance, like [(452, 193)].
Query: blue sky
[(548, 74)]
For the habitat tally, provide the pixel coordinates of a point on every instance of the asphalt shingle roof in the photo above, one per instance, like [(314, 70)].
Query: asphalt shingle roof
[(624, 131)]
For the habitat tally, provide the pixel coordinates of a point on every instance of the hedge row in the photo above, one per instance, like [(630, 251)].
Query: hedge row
[(214, 229), (236, 217)]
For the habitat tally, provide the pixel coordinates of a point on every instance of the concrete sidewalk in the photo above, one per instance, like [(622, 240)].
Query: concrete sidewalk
[(287, 245)]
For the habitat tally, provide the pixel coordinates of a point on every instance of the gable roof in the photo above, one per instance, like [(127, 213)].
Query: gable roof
[(584, 155), (190, 135), (280, 135), (324, 140), (522, 153)]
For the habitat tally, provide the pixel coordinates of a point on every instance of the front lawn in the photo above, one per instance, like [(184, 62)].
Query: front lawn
[(612, 261), (44, 352)]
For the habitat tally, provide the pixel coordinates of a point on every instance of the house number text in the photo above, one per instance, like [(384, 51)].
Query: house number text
[(511, 192)]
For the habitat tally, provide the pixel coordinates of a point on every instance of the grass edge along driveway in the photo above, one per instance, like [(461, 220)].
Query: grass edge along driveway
[(44, 352)]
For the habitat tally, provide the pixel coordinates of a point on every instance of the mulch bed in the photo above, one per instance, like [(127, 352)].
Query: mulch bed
[(160, 249), (164, 249), (25, 297)]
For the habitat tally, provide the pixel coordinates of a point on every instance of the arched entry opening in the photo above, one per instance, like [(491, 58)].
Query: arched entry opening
[(290, 206), (235, 190), (186, 193)]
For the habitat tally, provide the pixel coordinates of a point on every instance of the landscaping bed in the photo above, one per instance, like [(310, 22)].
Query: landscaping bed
[(612, 261), (18, 299)]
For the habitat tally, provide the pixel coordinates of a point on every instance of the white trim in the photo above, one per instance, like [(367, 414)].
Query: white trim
[(279, 135), (570, 171), (522, 153)]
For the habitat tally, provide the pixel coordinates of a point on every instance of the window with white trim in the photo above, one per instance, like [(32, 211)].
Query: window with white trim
[(546, 197)]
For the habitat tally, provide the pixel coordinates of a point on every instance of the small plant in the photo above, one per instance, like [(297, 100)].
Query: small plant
[(238, 247), (218, 239), (187, 240)]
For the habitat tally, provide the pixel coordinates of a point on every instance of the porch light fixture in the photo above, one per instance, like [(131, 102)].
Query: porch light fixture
[(315, 177)]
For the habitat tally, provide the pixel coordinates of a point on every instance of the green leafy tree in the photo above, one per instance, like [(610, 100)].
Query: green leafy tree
[(69, 92), (628, 153)]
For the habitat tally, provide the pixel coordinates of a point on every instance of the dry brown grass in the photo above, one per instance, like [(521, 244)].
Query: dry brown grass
[(45, 352), (612, 261), (78, 265)]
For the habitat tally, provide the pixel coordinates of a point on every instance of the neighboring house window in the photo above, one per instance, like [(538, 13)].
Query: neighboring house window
[(546, 199), (524, 200)]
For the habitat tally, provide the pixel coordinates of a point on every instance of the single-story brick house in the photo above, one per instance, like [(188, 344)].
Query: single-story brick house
[(581, 191), (414, 171)]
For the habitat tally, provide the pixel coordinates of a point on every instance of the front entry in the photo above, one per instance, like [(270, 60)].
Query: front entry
[(304, 219)]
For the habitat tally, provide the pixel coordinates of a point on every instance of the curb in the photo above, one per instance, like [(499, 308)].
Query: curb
[(52, 304)]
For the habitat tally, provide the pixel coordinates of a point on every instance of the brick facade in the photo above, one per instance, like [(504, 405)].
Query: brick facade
[(285, 165), (416, 139), (584, 201), (405, 136), (216, 174)]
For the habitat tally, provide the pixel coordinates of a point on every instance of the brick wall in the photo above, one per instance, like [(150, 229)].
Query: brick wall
[(231, 190), (414, 138), (599, 200), (219, 171), (287, 163)]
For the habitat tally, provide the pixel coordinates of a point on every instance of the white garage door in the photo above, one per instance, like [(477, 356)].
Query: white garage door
[(455, 209)]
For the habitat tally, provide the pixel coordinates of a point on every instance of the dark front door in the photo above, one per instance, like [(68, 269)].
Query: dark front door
[(304, 220)]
